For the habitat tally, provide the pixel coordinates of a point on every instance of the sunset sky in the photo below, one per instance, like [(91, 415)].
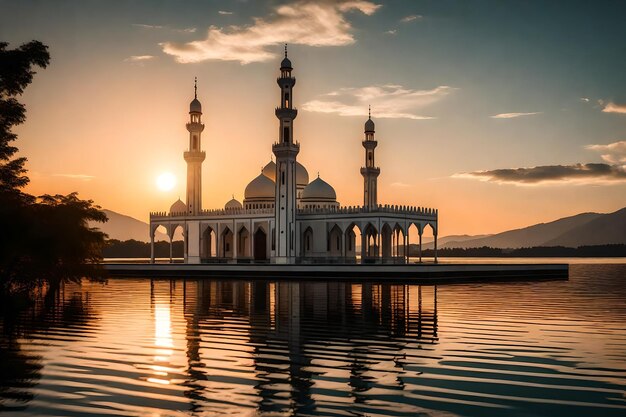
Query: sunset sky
[(499, 113)]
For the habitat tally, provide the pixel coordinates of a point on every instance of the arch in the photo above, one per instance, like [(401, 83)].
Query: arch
[(386, 242), (370, 243), (243, 243), (226, 245), (398, 243), (260, 245), (432, 232), (209, 243), (352, 240), (307, 242), (335, 242)]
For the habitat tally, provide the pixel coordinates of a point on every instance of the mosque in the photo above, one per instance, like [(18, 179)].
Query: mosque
[(284, 218)]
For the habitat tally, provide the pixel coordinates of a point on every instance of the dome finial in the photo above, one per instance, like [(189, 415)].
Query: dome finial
[(369, 111), (285, 50), (195, 87)]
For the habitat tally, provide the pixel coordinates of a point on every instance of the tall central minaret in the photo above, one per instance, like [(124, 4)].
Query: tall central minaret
[(285, 150), (194, 156), (370, 171)]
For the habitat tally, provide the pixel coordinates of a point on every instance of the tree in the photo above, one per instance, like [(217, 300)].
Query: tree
[(43, 239)]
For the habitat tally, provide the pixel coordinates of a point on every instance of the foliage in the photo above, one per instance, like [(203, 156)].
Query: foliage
[(612, 250), (45, 239), (134, 249)]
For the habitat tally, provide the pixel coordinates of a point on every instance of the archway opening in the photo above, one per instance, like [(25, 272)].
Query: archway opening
[(209, 244), (412, 250), (260, 245), (307, 242), (335, 242), (243, 243), (226, 246), (370, 244), (352, 243)]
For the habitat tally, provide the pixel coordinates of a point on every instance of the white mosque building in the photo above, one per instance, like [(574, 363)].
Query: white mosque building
[(285, 218)]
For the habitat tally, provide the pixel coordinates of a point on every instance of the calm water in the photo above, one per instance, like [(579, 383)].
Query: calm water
[(145, 347)]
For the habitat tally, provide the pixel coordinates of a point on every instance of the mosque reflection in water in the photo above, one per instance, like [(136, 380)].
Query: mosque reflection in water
[(295, 342)]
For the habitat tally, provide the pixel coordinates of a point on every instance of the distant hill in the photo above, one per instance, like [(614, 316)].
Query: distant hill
[(122, 227), (606, 229), (581, 229), (427, 242)]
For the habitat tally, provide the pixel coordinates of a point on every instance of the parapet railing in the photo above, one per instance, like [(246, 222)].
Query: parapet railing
[(381, 208), (214, 212)]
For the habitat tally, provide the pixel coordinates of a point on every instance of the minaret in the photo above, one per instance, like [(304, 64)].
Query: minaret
[(285, 150), (370, 171), (194, 156)]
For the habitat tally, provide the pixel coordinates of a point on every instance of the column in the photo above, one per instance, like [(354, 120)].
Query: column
[(435, 247), (420, 245), (151, 245)]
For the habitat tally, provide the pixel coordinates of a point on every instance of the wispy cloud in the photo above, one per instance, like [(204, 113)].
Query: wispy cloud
[(585, 99), (388, 101), (139, 58), (611, 107), (400, 185), (144, 26), (81, 177), (613, 153), (157, 27), (304, 22), (552, 174), (513, 115), (391, 32), (411, 18), (224, 12)]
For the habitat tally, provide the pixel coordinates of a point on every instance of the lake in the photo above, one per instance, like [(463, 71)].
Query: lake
[(141, 347)]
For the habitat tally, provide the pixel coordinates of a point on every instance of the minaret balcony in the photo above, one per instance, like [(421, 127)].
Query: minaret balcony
[(194, 156), (283, 81), (195, 127), (370, 171), (286, 149), (286, 113), (370, 144)]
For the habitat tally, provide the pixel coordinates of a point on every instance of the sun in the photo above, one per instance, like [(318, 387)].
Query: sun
[(166, 181)]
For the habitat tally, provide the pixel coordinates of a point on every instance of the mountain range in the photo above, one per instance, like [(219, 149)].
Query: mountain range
[(579, 230)]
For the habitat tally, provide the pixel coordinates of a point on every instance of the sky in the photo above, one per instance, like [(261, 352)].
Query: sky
[(501, 114)]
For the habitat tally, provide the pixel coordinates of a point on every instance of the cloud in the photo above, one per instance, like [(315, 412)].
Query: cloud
[(388, 101), (410, 18), (585, 99), (400, 184), (304, 22), (143, 26), (613, 153), (391, 32), (611, 107), (512, 115), (224, 12), (577, 174), (156, 27), (81, 177), (139, 58)]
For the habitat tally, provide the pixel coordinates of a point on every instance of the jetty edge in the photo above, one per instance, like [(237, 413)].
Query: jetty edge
[(388, 272)]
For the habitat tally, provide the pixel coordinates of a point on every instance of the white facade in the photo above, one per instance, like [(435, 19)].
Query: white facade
[(284, 218)]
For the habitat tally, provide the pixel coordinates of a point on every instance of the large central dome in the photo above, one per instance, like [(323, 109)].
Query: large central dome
[(302, 175)]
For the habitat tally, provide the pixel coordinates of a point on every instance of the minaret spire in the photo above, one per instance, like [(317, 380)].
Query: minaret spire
[(194, 155), (370, 171), (285, 150)]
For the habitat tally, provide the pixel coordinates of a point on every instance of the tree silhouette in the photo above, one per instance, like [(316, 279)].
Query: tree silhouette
[(43, 239)]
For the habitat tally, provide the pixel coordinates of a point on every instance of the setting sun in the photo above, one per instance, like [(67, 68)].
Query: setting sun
[(166, 181)]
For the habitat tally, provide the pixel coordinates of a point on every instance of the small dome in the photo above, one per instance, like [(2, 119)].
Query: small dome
[(285, 64), (319, 190), (369, 125), (178, 207), (269, 170), (259, 188), (195, 106), (233, 205)]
